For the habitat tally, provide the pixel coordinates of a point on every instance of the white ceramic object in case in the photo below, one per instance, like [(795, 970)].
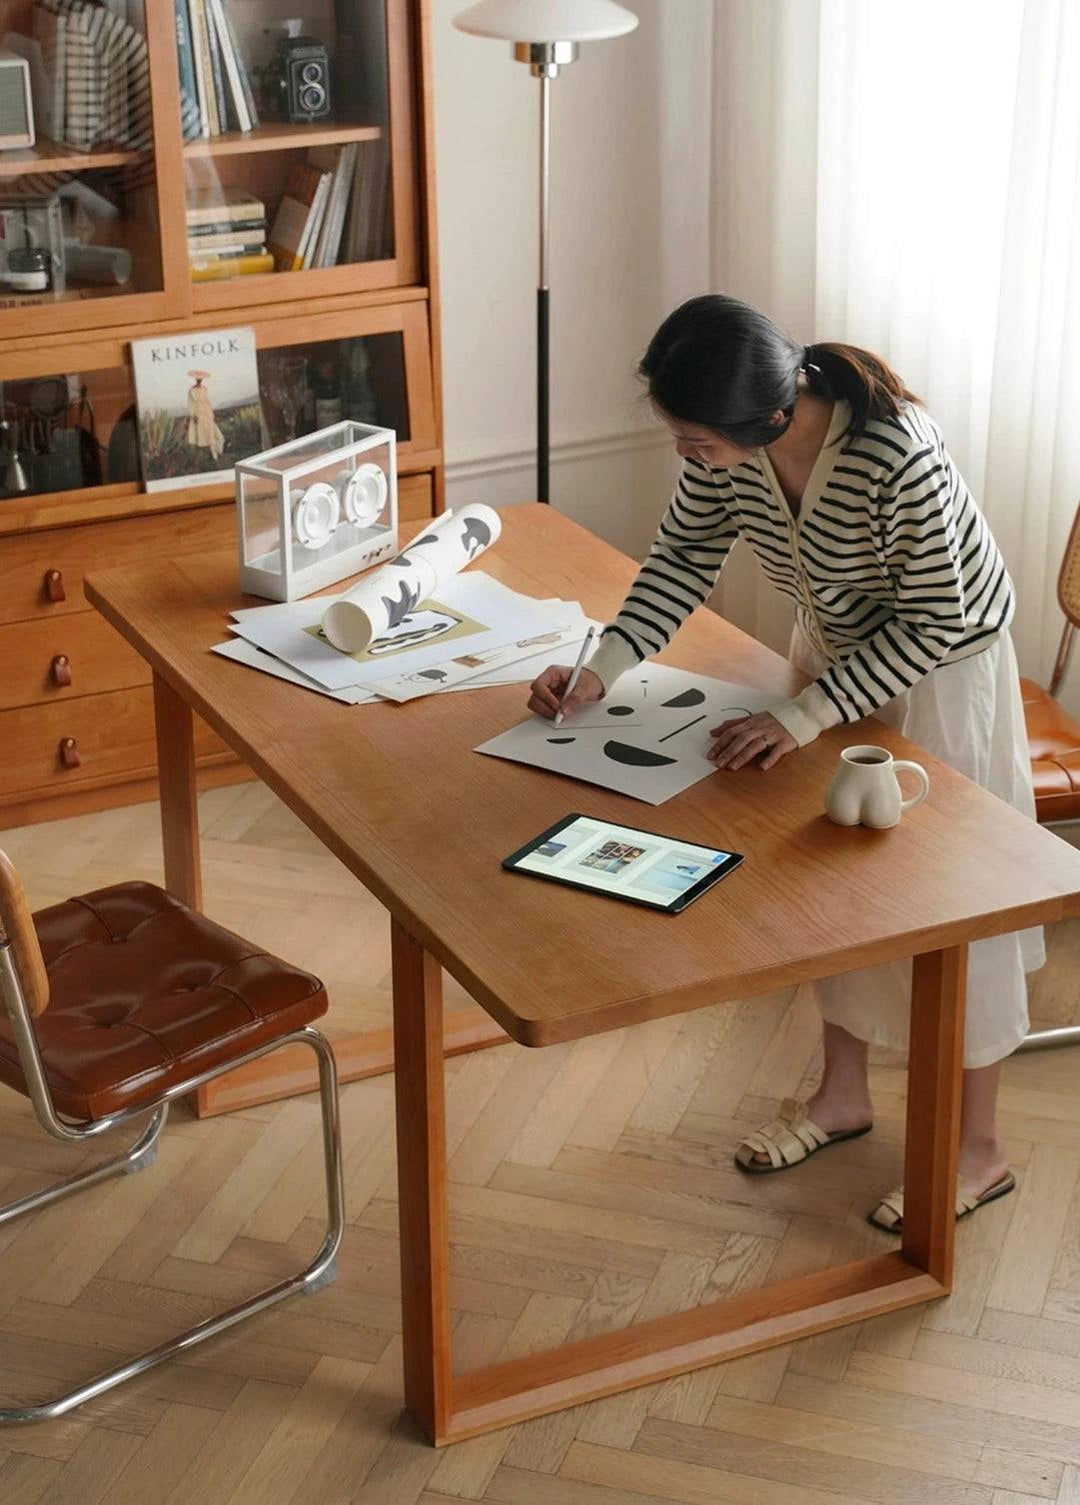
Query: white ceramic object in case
[(866, 792)]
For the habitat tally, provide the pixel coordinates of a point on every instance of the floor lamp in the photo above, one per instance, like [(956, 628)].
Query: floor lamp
[(545, 34)]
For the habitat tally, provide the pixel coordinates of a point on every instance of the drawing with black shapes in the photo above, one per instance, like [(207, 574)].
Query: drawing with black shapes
[(398, 608), (620, 710), (636, 757), (685, 728), (412, 631), (688, 697), (475, 536)]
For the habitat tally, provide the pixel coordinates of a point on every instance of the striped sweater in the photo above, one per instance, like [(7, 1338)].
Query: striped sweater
[(891, 565)]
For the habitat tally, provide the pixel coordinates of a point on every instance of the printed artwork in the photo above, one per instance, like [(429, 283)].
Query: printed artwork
[(647, 738), (411, 628), (198, 406)]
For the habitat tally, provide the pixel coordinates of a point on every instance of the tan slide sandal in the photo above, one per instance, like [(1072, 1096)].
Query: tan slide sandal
[(788, 1140), (889, 1213)]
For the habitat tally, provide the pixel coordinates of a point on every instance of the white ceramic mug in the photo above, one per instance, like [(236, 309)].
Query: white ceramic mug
[(865, 790)]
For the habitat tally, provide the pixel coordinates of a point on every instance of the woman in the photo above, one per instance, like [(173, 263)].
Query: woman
[(832, 472), (202, 428)]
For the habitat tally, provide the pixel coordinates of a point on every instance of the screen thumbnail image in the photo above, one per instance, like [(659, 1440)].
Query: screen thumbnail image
[(612, 857), (550, 848), (672, 876)]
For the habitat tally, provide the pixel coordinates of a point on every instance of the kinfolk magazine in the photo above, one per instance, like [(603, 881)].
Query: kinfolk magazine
[(198, 403)]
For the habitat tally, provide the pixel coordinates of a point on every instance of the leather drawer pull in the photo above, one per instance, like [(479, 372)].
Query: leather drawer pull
[(61, 670), (54, 586), (69, 752)]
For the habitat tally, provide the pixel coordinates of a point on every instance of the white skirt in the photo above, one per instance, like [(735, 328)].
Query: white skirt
[(970, 715)]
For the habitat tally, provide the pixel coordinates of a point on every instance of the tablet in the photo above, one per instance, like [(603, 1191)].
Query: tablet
[(640, 867)]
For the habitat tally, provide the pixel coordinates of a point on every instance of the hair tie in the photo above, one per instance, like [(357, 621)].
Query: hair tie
[(808, 364)]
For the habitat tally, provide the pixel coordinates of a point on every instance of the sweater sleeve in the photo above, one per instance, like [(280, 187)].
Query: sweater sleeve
[(917, 507), (682, 567)]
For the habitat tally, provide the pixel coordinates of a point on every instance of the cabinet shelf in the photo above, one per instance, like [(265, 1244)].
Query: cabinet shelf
[(57, 156), (280, 137)]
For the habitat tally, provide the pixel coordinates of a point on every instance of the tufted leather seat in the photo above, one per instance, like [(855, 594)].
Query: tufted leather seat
[(1054, 738), (145, 993)]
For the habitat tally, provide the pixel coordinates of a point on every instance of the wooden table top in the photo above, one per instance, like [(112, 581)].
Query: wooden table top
[(397, 793)]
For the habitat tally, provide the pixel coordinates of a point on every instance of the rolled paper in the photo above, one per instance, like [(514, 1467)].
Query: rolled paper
[(384, 598)]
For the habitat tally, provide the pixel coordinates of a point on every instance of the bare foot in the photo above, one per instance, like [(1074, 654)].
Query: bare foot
[(982, 1165)]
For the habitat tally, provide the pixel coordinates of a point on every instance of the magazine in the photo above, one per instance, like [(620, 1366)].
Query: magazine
[(198, 403)]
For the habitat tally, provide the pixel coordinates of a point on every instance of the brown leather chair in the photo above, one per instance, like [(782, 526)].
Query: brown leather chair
[(1054, 738), (116, 1003)]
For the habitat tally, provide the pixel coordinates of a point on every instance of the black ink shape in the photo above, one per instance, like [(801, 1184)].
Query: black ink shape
[(427, 538), (562, 739), (430, 674), (475, 535), (403, 562), (397, 611), (733, 710), (636, 757), (620, 710), (685, 728), (688, 697)]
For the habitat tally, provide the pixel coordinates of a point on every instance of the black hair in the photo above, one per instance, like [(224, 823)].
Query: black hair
[(725, 366)]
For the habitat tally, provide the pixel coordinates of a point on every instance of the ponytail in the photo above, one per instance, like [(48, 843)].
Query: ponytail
[(863, 380)]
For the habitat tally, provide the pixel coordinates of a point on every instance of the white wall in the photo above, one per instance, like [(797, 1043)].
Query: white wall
[(612, 469)]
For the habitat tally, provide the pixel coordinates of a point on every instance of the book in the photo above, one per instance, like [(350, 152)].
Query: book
[(252, 235), (232, 65), (225, 15), (213, 269), (204, 73), (211, 206), (292, 223), (306, 251), (197, 401), (209, 254), (199, 62), (217, 70), (340, 161), (188, 92)]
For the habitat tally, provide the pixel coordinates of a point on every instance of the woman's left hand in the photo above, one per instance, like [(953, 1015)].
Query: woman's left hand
[(741, 741)]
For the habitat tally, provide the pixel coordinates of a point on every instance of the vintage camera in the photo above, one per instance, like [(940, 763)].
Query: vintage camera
[(302, 65)]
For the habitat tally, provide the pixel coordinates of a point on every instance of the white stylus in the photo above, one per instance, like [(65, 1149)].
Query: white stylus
[(575, 675)]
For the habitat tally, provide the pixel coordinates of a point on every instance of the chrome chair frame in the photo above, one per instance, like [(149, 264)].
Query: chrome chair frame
[(142, 1154)]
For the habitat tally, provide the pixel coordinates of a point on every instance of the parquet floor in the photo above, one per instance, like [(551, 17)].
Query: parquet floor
[(591, 1185)]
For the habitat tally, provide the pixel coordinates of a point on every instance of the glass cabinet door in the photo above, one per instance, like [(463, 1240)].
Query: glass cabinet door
[(289, 161), (78, 168)]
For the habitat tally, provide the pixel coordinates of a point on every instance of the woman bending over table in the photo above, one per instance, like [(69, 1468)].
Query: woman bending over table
[(839, 480)]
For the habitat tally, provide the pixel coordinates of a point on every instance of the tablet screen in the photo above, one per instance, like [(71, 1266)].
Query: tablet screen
[(644, 867)]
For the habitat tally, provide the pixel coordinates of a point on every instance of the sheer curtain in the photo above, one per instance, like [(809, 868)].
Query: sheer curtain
[(906, 178)]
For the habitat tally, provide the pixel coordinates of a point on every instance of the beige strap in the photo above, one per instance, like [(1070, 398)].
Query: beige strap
[(785, 1140)]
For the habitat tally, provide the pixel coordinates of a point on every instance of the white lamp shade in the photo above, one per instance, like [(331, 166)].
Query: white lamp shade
[(547, 20)]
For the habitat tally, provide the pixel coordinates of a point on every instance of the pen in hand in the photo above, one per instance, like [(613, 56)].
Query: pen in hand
[(572, 681)]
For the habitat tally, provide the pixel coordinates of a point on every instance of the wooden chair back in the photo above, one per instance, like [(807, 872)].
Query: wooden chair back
[(1069, 578), (17, 926)]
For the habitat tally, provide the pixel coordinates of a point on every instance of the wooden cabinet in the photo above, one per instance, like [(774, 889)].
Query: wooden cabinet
[(75, 715)]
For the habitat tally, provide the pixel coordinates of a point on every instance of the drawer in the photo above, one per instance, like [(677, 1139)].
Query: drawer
[(113, 735), (81, 648), (416, 497), (26, 558)]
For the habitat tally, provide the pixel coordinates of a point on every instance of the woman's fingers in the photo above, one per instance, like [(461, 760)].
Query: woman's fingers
[(739, 742)]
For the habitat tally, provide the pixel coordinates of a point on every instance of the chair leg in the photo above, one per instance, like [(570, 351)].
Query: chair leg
[(319, 1272), (141, 1155), (1045, 1039)]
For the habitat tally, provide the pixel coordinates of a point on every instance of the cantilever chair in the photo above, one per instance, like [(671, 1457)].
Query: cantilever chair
[(1054, 738), (116, 1003)]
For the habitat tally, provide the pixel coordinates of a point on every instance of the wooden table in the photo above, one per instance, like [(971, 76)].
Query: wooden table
[(397, 794)]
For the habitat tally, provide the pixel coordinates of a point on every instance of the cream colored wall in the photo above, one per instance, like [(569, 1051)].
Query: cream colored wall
[(611, 468)]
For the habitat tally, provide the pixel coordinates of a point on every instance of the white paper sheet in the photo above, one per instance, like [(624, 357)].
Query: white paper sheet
[(472, 613), (647, 739), (243, 652)]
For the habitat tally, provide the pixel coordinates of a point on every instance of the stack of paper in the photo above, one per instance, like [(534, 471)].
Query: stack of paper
[(475, 633)]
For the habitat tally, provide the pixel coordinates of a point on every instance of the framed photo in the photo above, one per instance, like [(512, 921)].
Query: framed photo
[(198, 405)]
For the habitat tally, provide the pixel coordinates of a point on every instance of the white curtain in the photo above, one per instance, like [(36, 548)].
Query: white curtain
[(905, 177)]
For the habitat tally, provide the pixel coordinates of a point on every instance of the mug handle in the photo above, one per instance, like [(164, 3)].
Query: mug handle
[(921, 774)]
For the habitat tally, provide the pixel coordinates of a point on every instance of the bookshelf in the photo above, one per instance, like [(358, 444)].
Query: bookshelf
[(362, 328)]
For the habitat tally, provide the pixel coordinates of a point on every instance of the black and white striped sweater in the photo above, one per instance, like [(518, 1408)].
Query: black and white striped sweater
[(891, 564)]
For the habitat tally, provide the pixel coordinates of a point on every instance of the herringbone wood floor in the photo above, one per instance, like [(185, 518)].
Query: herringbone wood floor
[(591, 1185)]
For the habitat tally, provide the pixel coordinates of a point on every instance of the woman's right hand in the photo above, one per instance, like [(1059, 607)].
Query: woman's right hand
[(546, 693)]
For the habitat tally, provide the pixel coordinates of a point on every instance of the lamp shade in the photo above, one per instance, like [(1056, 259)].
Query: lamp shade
[(547, 20)]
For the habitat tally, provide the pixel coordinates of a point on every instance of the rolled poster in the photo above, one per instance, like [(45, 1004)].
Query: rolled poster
[(385, 598)]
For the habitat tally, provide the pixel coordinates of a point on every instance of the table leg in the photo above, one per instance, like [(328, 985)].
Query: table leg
[(421, 1149), (935, 1066), (179, 794)]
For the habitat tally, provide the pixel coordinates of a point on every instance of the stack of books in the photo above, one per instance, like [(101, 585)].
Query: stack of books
[(215, 89), (226, 234), (310, 220)]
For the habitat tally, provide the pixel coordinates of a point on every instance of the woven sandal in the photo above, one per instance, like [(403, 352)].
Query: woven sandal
[(788, 1140), (889, 1213)]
